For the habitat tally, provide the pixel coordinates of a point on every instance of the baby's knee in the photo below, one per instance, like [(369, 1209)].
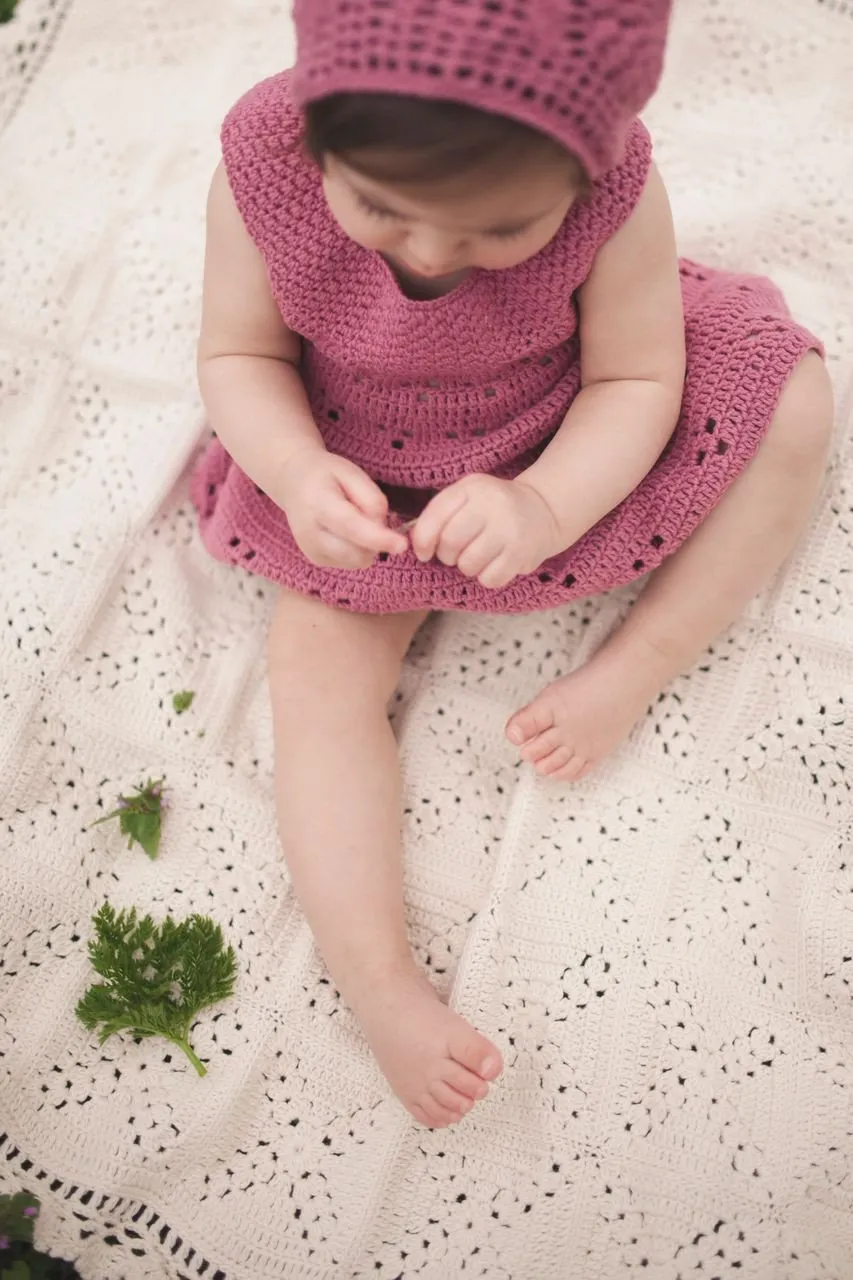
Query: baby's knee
[(304, 642), (316, 651), (800, 434)]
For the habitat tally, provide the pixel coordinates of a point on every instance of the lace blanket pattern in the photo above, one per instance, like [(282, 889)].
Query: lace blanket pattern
[(664, 953)]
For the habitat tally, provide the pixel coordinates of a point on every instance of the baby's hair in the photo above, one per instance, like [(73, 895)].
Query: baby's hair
[(405, 139)]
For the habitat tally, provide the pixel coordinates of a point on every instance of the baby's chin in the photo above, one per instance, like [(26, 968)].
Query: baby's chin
[(407, 269), (423, 273)]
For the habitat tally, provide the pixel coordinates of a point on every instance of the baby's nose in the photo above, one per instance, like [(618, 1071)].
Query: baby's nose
[(433, 252)]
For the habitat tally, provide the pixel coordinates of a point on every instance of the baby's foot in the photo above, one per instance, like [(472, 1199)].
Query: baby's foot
[(435, 1062), (578, 720)]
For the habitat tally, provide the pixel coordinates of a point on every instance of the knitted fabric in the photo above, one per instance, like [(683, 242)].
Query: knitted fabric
[(662, 953), (579, 70), (420, 394)]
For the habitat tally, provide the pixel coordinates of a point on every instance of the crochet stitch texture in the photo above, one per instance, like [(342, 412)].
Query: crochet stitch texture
[(421, 393)]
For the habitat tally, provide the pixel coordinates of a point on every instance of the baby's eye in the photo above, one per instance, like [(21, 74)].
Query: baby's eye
[(374, 210), (507, 233)]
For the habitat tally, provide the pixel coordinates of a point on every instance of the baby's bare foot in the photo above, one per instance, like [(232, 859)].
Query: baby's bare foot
[(435, 1061), (578, 720)]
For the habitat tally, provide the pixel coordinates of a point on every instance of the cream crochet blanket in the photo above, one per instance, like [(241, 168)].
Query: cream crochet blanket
[(665, 953)]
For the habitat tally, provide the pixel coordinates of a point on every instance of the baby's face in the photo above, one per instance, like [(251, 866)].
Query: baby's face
[(433, 230)]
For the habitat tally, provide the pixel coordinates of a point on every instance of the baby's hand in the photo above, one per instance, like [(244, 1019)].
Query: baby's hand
[(336, 513), (491, 529)]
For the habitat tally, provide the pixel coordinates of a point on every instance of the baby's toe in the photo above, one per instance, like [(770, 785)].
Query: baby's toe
[(551, 763), (447, 1097), (529, 722), (432, 1114), (464, 1081), (541, 746), (420, 1113), (474, 1051), (575, 769), (441, 1117)]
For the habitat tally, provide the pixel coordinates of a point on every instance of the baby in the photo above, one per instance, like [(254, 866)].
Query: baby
[(453, 362)]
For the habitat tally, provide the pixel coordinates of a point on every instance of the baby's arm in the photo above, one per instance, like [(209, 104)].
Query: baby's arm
[(248, 360), (632, 373), (249, 374)]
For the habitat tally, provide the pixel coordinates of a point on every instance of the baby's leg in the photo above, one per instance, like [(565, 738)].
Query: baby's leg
[(694, 596), (338, 794)]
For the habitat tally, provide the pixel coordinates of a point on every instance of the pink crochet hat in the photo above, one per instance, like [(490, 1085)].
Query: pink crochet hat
[(579, 70)]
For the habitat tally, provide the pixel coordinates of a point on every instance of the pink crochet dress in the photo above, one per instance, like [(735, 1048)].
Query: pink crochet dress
[(420, 394)]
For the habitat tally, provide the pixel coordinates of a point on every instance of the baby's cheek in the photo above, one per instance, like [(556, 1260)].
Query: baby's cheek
[(353, 223), (497, 256), (368, 235)]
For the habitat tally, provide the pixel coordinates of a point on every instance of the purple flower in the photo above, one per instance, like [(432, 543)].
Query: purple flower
[(31, 1212), (4, 1243)]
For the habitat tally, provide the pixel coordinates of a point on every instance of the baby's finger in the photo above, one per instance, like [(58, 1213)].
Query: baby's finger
[(433, 519), (458, 534), (363, 492), (479, 554), (345, 521), (499, 573), (336, 553)]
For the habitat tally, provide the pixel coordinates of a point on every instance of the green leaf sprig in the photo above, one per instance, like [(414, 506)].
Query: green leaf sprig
[(140, 817), (157, 978), (182, 701), (17, 1216), (7, 10)]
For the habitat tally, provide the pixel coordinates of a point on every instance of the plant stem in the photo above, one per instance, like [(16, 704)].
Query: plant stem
[(188, 1050)]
